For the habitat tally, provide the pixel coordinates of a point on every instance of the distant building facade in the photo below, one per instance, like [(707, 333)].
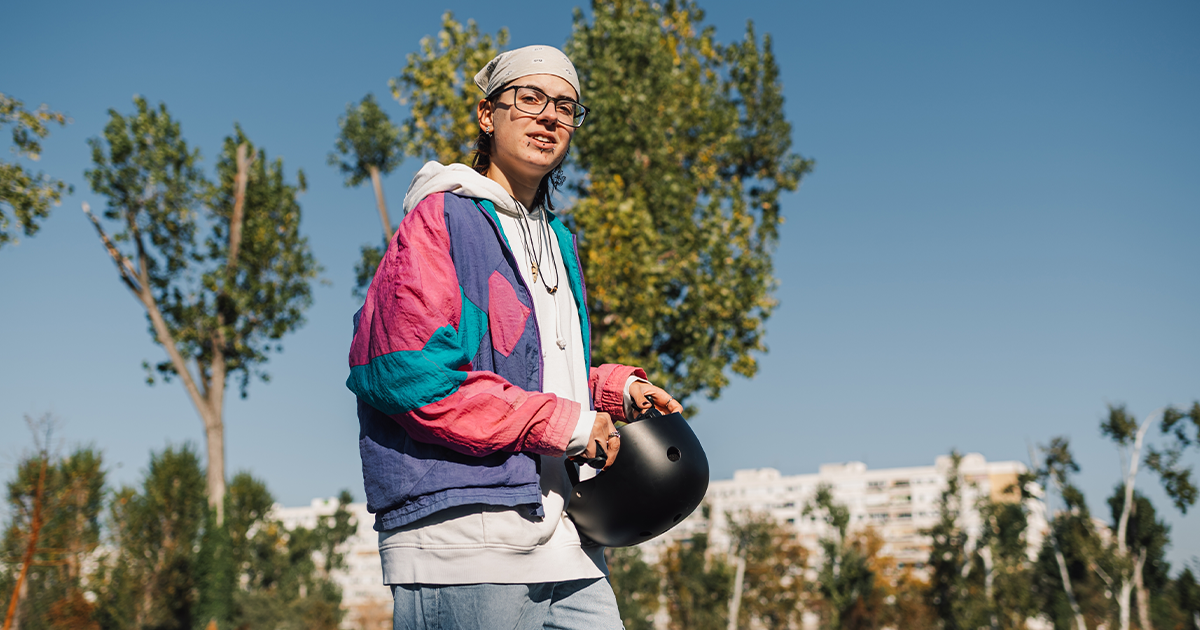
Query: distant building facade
[(898, 503)]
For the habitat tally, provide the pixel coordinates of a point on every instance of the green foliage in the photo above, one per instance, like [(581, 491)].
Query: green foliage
[(1183, 430), (28, 195), (367, 139), (171, 566), (685, 159), (1186, 596), (69, 534), (637, 586), (1073, 534), (364, 269), (1145, 535), (155, 191), (773, 585), (266, 293), (846, 583), (149, 579), (950, 592), (697, 586), (438, 86)]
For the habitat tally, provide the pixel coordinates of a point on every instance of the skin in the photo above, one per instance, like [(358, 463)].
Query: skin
[(525, 147)]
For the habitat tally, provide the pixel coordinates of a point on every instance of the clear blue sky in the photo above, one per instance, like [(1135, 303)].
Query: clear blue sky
[(1001, 234)]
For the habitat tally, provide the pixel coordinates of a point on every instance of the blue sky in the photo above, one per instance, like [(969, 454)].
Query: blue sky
[(999, 238)]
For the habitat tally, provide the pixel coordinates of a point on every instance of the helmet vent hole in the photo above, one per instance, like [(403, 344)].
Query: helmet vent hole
[(673, 454), (677, 517)]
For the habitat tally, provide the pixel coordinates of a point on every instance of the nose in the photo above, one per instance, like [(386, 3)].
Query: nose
[(548, 116)]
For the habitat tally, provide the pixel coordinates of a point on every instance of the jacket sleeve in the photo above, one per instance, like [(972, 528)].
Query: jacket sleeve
[(608, 387), (411, 355)]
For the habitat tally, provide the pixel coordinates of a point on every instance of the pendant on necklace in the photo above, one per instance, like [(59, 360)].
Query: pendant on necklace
[(552, 290), (533, 268)]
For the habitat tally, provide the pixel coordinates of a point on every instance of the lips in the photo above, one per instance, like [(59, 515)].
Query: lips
[(543, 140)]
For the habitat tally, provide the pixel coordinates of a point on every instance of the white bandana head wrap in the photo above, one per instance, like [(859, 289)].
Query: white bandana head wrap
[(523, 62)]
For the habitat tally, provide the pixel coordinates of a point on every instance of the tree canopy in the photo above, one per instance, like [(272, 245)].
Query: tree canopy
[(28, 196)]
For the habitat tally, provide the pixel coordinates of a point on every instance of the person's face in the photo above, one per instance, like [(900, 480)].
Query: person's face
[(528, 145)]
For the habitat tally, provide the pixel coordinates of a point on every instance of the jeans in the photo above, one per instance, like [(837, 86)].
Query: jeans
[(573, 605)]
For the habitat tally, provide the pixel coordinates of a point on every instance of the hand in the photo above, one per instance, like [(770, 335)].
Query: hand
[(606, 434), (645, 394)]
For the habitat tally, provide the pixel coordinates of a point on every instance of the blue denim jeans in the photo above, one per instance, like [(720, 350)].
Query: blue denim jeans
[(572, 605)]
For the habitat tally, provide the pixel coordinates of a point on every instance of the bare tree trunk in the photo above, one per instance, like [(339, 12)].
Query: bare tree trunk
[(1123, 602), (1143, 597), (1123, 523), (35, 530), (989, 580), (1066, 579), (383, 213), (735, 602)]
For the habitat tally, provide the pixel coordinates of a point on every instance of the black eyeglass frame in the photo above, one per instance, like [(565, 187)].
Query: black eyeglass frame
[(549, 99)]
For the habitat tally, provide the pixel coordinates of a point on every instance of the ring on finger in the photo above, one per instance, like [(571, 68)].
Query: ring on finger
[(614, 434)]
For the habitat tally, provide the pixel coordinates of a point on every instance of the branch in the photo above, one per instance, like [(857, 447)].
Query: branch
[(1104, 576), (239, 203), (1130, 476), (124, 267)]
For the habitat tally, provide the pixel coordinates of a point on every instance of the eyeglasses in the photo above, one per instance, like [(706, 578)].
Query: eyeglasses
[(531, 100)]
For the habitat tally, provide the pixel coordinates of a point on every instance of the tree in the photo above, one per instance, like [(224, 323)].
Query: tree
[(368, 146), (437, 85), (28, 195), (1183, 430), (697, 585), (684, 160), (845, 583), (55, 504), (950, 591), (1003, 560), (1187, 600), (150, 578), (1070, 590), (218, 307), (637, 586), (772, 563), (1146, 538)]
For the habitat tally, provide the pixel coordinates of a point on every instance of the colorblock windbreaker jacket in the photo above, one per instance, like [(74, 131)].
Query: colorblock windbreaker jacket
[(447, 368)]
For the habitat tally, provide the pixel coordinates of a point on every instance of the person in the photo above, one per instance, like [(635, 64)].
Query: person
[(471, 364)]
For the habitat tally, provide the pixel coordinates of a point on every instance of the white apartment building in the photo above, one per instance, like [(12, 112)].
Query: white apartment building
[(897, 502)]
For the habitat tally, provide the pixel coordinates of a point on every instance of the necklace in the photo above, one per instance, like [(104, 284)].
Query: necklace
[(534, 244)]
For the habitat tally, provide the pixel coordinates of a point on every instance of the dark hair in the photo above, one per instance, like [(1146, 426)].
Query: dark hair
[(483, 159)]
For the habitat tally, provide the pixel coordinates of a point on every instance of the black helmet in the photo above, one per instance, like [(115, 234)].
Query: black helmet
[(659, 477)]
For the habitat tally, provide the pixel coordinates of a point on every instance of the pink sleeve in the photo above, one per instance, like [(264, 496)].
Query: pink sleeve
[(608, 387)]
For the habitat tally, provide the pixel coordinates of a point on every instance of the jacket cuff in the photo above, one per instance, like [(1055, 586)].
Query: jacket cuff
[(562, 426), (612, 390)]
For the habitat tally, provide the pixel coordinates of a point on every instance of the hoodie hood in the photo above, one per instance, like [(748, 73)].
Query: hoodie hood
[(459, 179)]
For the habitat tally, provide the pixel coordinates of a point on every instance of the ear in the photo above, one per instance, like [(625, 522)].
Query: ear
[(484, 111)]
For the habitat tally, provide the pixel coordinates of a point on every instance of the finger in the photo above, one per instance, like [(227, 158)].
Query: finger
[(614, 445)]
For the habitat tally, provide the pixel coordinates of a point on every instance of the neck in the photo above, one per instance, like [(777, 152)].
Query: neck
[(521, 190)]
